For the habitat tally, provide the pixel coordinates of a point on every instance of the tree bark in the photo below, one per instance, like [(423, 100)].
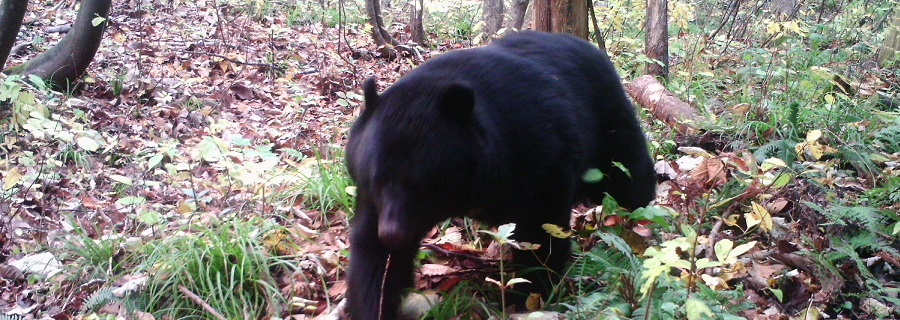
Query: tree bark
[(382, 38), (664, 105), (542, 11), (67, 60), (417, 27), (657, 44), (492, 12), (891, 44), (12, 12), (517, 14), (599, 35), (562, 16)]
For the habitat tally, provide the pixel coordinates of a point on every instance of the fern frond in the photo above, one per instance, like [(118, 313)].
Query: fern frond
[(101, 298)]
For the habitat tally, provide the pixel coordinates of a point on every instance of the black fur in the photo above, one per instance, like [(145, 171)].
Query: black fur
[(502, 133)]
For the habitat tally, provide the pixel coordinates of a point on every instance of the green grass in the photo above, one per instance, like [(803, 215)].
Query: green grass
[(226, 265)]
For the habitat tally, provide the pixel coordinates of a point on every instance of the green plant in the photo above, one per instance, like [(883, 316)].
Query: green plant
[(456, 19), (503, 236), (613, 265), (226, 266), (101, 258), (325, 183)]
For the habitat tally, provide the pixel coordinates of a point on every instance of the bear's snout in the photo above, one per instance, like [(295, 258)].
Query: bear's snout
[(394, 231)]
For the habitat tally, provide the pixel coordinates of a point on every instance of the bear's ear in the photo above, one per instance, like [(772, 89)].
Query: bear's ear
[(457, 102), (370, 92)]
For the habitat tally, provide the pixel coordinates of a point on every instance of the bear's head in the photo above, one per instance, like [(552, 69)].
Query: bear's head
[(413, 154)]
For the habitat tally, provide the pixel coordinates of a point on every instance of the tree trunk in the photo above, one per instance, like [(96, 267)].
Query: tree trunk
[(67, 60), (492, 11), (597, 33), (562, 16), (542, 11), (382, 38), (417, 27), (517, 14), (664, 105), (891, 45), (657, 44), (11, 14)]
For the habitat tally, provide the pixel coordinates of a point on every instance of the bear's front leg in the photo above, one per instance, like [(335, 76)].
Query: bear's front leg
[(545, 266), (377, 277)]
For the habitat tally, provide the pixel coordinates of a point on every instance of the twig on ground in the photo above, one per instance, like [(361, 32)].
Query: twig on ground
[(199, 301)]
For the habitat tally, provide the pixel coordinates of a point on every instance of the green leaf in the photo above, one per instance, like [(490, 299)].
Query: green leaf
[(704, 263), (622, 167), (514, 281), (778, 294), (154, 161), (504, 232), (742, 249), (723, 249), (696, 309), (87, 143), (657, 214), (121, 179), (782, 180), (210, 151), (150, 217), (98, 21), (128, 201), (771, 163), (896, 229), (593, 175)]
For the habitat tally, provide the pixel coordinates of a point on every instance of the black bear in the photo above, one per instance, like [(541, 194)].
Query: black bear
[(502, 133)]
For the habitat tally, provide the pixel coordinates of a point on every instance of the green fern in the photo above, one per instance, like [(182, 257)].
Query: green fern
[(870, 219), (100, 299), (889, 138), (614, 264)]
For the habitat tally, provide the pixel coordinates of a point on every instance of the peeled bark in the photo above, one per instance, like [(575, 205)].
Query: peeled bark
[(12, 12), (69, 59), (657, 44), (664, 105)]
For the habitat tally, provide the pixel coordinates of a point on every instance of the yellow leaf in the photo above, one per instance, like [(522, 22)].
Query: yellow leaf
[(772, 163), (752, 219), (813, 135), (830, 98), (185, 208), (732, 220), (765, 218), (714, 283), (773, 27), (13, 177), (556, 231), (533, 303), (816, 151)]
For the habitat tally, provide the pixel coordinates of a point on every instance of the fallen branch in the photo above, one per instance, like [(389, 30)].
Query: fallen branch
[(664, 105), (199, 301)]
